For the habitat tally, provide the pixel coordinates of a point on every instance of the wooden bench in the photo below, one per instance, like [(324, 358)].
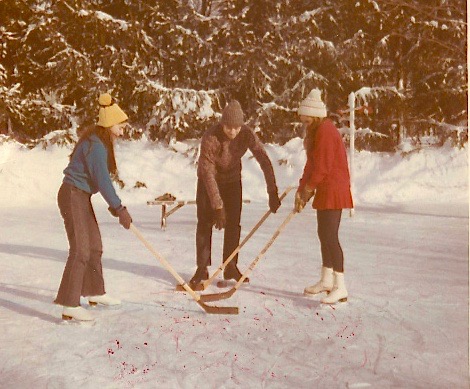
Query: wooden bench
[(175, 204)]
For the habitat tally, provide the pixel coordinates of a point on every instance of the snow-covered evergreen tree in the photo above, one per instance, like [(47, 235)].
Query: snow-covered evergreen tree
[(173, 64)]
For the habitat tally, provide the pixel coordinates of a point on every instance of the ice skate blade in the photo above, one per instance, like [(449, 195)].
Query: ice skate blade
[(66, 319), (314, 294), (341, 300)]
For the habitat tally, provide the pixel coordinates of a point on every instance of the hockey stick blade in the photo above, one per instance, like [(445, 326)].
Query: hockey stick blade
[(218, 296), (218, 310)]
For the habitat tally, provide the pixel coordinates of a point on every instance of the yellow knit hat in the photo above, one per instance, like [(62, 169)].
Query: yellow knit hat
[(110, 113)]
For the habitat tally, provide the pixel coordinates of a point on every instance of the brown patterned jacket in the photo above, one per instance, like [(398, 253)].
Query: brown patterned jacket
[(220, 160)]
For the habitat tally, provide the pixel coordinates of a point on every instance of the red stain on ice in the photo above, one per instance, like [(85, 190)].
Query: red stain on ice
[(365, 359)]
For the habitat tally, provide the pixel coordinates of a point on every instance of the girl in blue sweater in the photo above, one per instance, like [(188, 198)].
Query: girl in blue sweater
[(88, 172)]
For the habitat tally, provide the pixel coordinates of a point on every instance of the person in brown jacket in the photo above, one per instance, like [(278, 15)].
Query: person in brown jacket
[(219, 187)]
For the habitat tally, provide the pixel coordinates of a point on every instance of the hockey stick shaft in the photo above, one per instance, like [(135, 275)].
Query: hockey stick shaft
[(230, 292), (167, 266), (209, 281)]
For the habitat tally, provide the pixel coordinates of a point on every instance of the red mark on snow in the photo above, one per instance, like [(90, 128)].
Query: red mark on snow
[(269, 311), (176, 340), (341, 332), (365, 358)]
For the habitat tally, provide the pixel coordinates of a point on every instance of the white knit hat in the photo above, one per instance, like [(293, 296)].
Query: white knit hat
[(110, 113), (313, 105)]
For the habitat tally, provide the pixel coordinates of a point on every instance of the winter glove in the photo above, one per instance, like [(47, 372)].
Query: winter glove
[(124, 218), (219, 218), (274, 202), (299, 204), (302, 197), (307, 193)]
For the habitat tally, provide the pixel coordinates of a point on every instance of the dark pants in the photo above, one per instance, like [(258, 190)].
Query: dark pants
[(83, 274), (328, 221), (231, 194)]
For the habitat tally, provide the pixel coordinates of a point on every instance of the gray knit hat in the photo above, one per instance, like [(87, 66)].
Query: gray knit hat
[(232, 115)]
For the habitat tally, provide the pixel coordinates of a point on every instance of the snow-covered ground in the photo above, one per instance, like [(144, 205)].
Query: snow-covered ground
[(405, 324)]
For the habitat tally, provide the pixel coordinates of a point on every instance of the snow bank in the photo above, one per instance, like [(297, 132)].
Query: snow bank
[(437, 177)]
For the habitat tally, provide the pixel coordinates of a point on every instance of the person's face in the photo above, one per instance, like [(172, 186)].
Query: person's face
[(309, 120), (232, 132), (118, 129)]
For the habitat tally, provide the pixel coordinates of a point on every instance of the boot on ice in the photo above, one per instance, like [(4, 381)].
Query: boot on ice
[(104, 300), (231, 272), (339, 292), (324, 285), (201, 275), (77, 313)]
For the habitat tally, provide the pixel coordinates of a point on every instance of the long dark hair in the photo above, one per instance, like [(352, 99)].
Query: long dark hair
[(310, 134), (105, 136)]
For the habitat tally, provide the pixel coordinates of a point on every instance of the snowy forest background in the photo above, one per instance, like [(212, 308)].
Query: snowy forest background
[(172, 65)]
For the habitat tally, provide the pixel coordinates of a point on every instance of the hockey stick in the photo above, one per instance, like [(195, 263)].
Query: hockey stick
[(230, 292), (209, 281), (194, 295)]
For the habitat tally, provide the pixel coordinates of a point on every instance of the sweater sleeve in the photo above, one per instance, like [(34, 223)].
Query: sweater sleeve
[(207, 170), (261, 156), (97, 164), (323, 156)]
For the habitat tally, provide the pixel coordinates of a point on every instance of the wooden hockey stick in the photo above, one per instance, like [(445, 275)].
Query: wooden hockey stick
[(194, 295), (230, 292), (209, 281)]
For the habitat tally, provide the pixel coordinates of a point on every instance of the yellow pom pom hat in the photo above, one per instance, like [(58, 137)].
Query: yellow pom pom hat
[(110, 113)]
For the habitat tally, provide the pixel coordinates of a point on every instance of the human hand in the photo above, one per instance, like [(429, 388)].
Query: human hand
[(124, 218), (274, 201), (219, 218)]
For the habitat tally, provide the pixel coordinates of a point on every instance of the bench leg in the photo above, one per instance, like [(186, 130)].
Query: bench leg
[(163, 218)]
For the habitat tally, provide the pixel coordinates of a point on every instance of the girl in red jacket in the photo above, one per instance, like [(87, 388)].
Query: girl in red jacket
[(326, 177)]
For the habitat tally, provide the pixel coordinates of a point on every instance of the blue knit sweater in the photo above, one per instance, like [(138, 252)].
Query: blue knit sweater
[(88, 170)]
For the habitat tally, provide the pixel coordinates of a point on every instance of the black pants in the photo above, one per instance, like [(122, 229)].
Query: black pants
[(328, 222), (83, 273), (231, 194)]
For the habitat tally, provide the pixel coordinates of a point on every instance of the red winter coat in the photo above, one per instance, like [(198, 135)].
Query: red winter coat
[(326, 169)]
